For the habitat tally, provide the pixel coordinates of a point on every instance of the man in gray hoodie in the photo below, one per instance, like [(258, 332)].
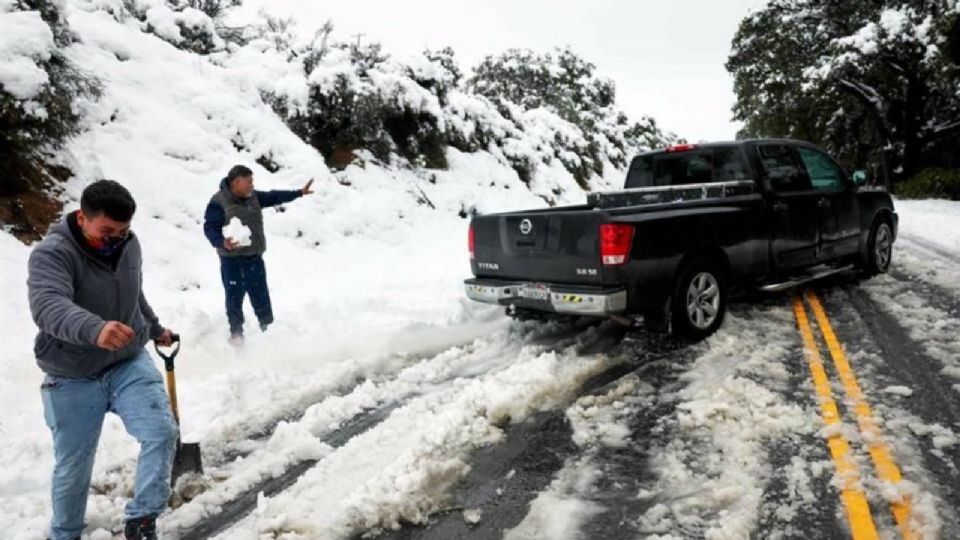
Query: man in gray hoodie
[(85, 286)]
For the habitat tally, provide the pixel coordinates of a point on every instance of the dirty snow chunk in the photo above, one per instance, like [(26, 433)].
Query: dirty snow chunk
[(898, 390), (940, 436), (472, 516), (101, 534), (603, 419), (294, 440), (951, 371), (237, 231), (25, 40), (558, 513)]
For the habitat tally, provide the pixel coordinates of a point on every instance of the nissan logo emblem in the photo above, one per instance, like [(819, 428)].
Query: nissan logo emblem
[(526, 226)]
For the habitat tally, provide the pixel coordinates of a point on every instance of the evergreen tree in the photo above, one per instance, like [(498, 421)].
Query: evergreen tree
[(566, 84), (859, 77)]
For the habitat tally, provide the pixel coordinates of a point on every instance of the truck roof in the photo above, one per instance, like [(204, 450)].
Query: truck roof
[(714, 144)]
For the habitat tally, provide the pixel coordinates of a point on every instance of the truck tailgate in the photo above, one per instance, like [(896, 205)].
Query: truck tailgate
[(559, 246)]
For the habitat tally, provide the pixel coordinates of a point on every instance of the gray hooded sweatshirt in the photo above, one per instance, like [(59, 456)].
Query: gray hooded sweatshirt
[(72, 296)]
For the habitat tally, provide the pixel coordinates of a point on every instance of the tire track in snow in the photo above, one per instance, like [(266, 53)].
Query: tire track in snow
[(923, 245), (725, 445), (553, 336), (427, 438), (504, 478), (238, 507)]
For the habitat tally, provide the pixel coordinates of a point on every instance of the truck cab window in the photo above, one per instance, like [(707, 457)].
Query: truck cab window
[(729, 165), (824, 173), (782, 169), (640, 173), (682, 169)]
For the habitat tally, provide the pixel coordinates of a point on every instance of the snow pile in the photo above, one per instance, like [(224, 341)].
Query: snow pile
[(603, 419), (933, 221), (25, 40)]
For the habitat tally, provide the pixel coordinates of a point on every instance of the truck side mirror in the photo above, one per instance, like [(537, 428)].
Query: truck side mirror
[(860, 177)]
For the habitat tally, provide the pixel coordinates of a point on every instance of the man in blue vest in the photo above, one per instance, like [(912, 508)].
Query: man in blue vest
[(85, 285), (241, 266)]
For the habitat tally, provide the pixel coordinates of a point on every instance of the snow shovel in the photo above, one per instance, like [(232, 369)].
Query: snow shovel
[(187, 457)]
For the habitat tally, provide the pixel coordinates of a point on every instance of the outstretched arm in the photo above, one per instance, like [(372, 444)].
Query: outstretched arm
[(273, 198)]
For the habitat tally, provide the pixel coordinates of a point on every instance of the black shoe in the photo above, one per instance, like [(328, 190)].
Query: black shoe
[(265, 322), (141, 528)]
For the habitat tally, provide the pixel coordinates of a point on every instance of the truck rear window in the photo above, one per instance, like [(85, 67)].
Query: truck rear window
[(702, 166)]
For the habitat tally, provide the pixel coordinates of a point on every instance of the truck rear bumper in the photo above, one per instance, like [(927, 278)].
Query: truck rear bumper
[(548, 297)]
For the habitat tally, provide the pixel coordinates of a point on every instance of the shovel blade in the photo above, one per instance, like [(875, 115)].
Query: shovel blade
[(186, 460)]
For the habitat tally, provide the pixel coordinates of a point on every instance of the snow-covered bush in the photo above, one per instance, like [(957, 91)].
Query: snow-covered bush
[(566, 85), (188, 24), (352, 97), (38, 92)]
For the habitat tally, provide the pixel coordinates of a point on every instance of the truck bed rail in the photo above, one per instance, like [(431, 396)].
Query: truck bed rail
[(668, 194)]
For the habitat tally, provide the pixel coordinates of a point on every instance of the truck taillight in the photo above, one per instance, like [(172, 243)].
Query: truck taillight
[(470, 241), (615, 242)]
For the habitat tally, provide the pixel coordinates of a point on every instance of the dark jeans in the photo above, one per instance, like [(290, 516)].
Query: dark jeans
[(242, 276)]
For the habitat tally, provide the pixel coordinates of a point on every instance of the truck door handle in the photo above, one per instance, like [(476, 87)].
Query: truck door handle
[(823, 203), (780, 207)]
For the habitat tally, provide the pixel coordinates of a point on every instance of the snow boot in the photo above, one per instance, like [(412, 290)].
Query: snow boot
[(141, 528)]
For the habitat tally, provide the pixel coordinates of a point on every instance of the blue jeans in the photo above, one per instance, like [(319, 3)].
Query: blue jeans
[(74, 411), (242, 276)]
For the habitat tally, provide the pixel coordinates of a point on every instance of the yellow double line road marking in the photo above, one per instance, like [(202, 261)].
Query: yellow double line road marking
[(854, 500)]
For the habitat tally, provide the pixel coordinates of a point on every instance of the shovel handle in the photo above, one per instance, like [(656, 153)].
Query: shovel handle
[(172, 391), (168, 358)]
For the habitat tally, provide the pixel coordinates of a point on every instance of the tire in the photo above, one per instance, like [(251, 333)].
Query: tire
[(879, 249), (699, 300)]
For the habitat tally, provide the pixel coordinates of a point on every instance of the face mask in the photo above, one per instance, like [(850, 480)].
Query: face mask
[(111, 244), (106, 246)]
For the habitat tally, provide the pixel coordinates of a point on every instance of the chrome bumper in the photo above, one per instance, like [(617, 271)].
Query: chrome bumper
[(557, 298)]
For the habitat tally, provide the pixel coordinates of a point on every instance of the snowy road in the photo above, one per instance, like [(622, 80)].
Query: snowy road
[(492, 429), (589, 431)]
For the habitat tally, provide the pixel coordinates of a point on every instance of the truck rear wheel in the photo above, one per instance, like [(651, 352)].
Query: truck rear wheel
[(699, 300)]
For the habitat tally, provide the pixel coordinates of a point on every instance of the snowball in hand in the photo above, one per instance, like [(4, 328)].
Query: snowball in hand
[(238, 232)]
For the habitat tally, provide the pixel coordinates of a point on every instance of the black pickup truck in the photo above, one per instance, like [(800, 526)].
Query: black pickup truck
[(692, 222)]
